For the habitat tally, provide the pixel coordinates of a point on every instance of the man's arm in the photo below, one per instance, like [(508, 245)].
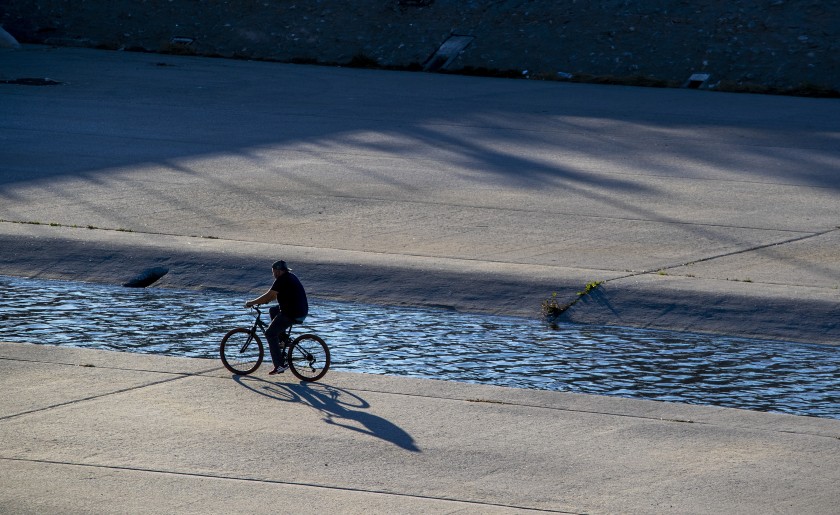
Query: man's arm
[(265, 298)]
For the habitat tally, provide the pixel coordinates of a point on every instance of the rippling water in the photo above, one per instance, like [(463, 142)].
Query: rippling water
[(515, 352)]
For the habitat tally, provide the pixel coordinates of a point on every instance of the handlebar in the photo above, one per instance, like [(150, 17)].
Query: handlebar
[(255, 307)]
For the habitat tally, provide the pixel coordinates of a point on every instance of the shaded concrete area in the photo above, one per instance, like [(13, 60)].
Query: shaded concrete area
[(99, 431)]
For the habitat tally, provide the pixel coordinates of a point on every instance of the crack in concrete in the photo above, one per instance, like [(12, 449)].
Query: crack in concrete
[(179, 375), (726, 254)]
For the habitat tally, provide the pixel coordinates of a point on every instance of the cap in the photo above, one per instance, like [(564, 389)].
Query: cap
[(281, 265)]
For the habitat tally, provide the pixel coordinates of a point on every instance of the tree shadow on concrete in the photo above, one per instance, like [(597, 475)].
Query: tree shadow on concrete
[(258, 135), (339, 407)]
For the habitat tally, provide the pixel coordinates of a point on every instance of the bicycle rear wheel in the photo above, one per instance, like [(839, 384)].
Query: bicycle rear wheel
[(241, 351), (309, 357)]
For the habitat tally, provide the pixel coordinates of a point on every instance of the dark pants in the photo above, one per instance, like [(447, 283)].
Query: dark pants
[(276, 332)]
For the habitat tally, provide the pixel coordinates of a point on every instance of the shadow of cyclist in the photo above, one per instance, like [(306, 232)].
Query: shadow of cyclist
[(339, 408)]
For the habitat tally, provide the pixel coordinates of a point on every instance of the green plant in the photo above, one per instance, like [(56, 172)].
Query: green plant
[(551, 308), (589, 288)]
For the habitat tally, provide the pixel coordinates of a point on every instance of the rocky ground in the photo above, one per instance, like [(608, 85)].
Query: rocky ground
[(771, 46)]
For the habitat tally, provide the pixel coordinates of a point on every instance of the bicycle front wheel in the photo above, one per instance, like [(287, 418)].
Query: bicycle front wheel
[(309, 357), (241, 351)]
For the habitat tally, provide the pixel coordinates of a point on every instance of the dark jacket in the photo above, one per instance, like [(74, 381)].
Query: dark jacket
[(291, 296)]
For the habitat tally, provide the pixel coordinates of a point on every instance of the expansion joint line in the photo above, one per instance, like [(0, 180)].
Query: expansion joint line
[(667, 419), (289, 483), (727, 254), (177, 377)]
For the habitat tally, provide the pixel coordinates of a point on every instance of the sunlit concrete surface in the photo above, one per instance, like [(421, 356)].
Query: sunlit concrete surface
[(84, 431)]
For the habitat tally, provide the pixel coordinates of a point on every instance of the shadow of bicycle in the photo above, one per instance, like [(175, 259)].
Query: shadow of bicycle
[(339, 408)]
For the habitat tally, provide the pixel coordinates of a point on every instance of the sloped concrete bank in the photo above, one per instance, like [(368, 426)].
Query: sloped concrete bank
[(797, 314), (747, 44)]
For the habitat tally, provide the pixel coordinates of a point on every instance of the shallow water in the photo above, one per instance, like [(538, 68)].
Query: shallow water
[(515, 352)]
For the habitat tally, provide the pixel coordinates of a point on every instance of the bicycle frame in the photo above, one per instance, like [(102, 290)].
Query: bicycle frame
[(263, 326), (257, 323)]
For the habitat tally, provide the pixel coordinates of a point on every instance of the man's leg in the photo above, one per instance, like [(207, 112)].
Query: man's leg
[(275, 332)]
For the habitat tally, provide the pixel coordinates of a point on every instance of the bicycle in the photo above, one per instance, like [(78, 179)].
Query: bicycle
[(242, 351)]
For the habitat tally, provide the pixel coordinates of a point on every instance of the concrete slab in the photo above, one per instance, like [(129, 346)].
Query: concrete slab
[(31, 387), (94, 490), (356, 439), (804, 263)]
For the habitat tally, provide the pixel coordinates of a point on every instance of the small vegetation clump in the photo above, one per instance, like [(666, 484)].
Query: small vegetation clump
[(552, 308), (589, 288)]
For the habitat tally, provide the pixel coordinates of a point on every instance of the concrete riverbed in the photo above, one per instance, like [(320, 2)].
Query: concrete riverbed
[(700, 211)]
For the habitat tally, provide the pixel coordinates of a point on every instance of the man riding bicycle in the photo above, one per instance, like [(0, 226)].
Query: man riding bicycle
[(292, 308)]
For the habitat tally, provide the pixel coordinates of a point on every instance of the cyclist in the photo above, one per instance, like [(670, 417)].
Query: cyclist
[(292, 308)]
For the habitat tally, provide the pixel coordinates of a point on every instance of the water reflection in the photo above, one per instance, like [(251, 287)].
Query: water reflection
[(514, 352)]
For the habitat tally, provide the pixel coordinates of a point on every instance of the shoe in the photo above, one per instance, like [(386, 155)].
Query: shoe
[(279, 370)]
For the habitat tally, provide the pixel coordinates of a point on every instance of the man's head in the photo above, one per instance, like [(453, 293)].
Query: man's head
[(279, 268)]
